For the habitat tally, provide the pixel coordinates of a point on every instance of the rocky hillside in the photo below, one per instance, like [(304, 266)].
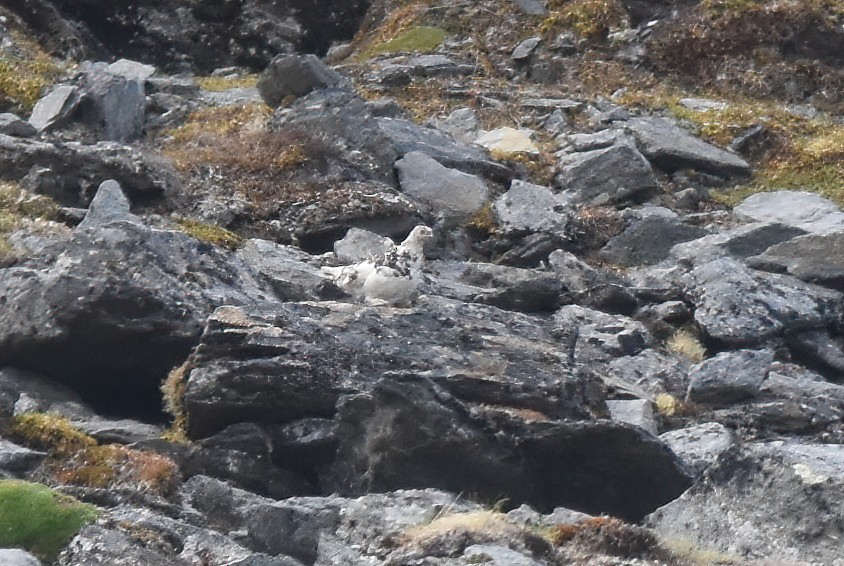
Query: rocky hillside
[(506, 282)]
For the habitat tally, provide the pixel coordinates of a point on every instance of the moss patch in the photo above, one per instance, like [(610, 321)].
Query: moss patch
[(422, 39), (210, 234), (219, 84), (25, 69), (47, 431), (38, 519), (173, 389)]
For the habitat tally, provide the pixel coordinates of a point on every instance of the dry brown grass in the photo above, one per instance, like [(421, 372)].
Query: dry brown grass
[(25, 69), (591, 19), (173, 390), (687, 344), (607, 535)]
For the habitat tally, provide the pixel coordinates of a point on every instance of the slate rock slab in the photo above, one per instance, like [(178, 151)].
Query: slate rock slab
[(447, 193), (280, 363), (729, 377), (672, 148), (743, 308), (614, 174), (54, 108), (808, 211), (818, 258), (12, 125), (294, 75), (530, 208), (648, 240), (772, 499)]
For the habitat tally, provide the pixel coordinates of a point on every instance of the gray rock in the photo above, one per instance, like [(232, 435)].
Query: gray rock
[(703, 104), (358, 245), (599, 289), (531, 208), (290, 529), (648, 241), (777, 499), (818, 258), (645, 375), (18, 461), (509, 288), (699, 445), (121, 431), (447, 193), (23, 392), (15, 557), (77, 170), (132, 70), (525, 49), (819, 348), (588, 142), (744, 308), (407, 433), (637, 412), (495, 555), (672, 148), (462, 124), (108, 206), (611, 175), (533, 7), (400, 70), (286, 271), (12, 125), (807, 211), (115, 308), (115, 104), (54, 108), (593, 336), (729, 377), (405, 137), (294, 75), (740, 242), (351, 346)]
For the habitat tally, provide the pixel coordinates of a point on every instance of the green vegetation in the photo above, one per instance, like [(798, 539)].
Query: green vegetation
[(219, 84), (74, 458), (210, 234), (590, 19), (173, 390), (25, 69), (38, 519), (420, 39)]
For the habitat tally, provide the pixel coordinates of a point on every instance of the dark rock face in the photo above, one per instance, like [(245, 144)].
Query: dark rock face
[(347, 352), (402, 435), (729, 377), (807, 481), (815, 258), (115, 308), (203, 37), (291, 75), (648, 240)]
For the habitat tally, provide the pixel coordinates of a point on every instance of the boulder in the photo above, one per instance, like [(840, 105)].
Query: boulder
[(15, 557), (614, 174), (75, 171), (12, 125), (294, 75), (113, 103), (699, 446), (508, 141), (672, 148), (778, 498), (18, 461), (818, 258), (409, 433), (744, 308), (131, 70), (592, 336), (531, 208), (729, 377), (358, 245), (740, 242), (113, 309), (807, 211), (649, 240), (446, 193), (341, 348), (54, 108)]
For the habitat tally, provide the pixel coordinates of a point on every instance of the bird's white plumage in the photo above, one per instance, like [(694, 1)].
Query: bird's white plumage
[(391, 279)]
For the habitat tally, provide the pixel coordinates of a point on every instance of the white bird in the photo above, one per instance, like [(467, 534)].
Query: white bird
[(390, 279)]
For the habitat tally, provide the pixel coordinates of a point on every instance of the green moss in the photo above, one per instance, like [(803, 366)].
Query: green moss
[(39, 519), (211, 234), (47, 431), (24, 72), (420, 39), (218, 84)]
